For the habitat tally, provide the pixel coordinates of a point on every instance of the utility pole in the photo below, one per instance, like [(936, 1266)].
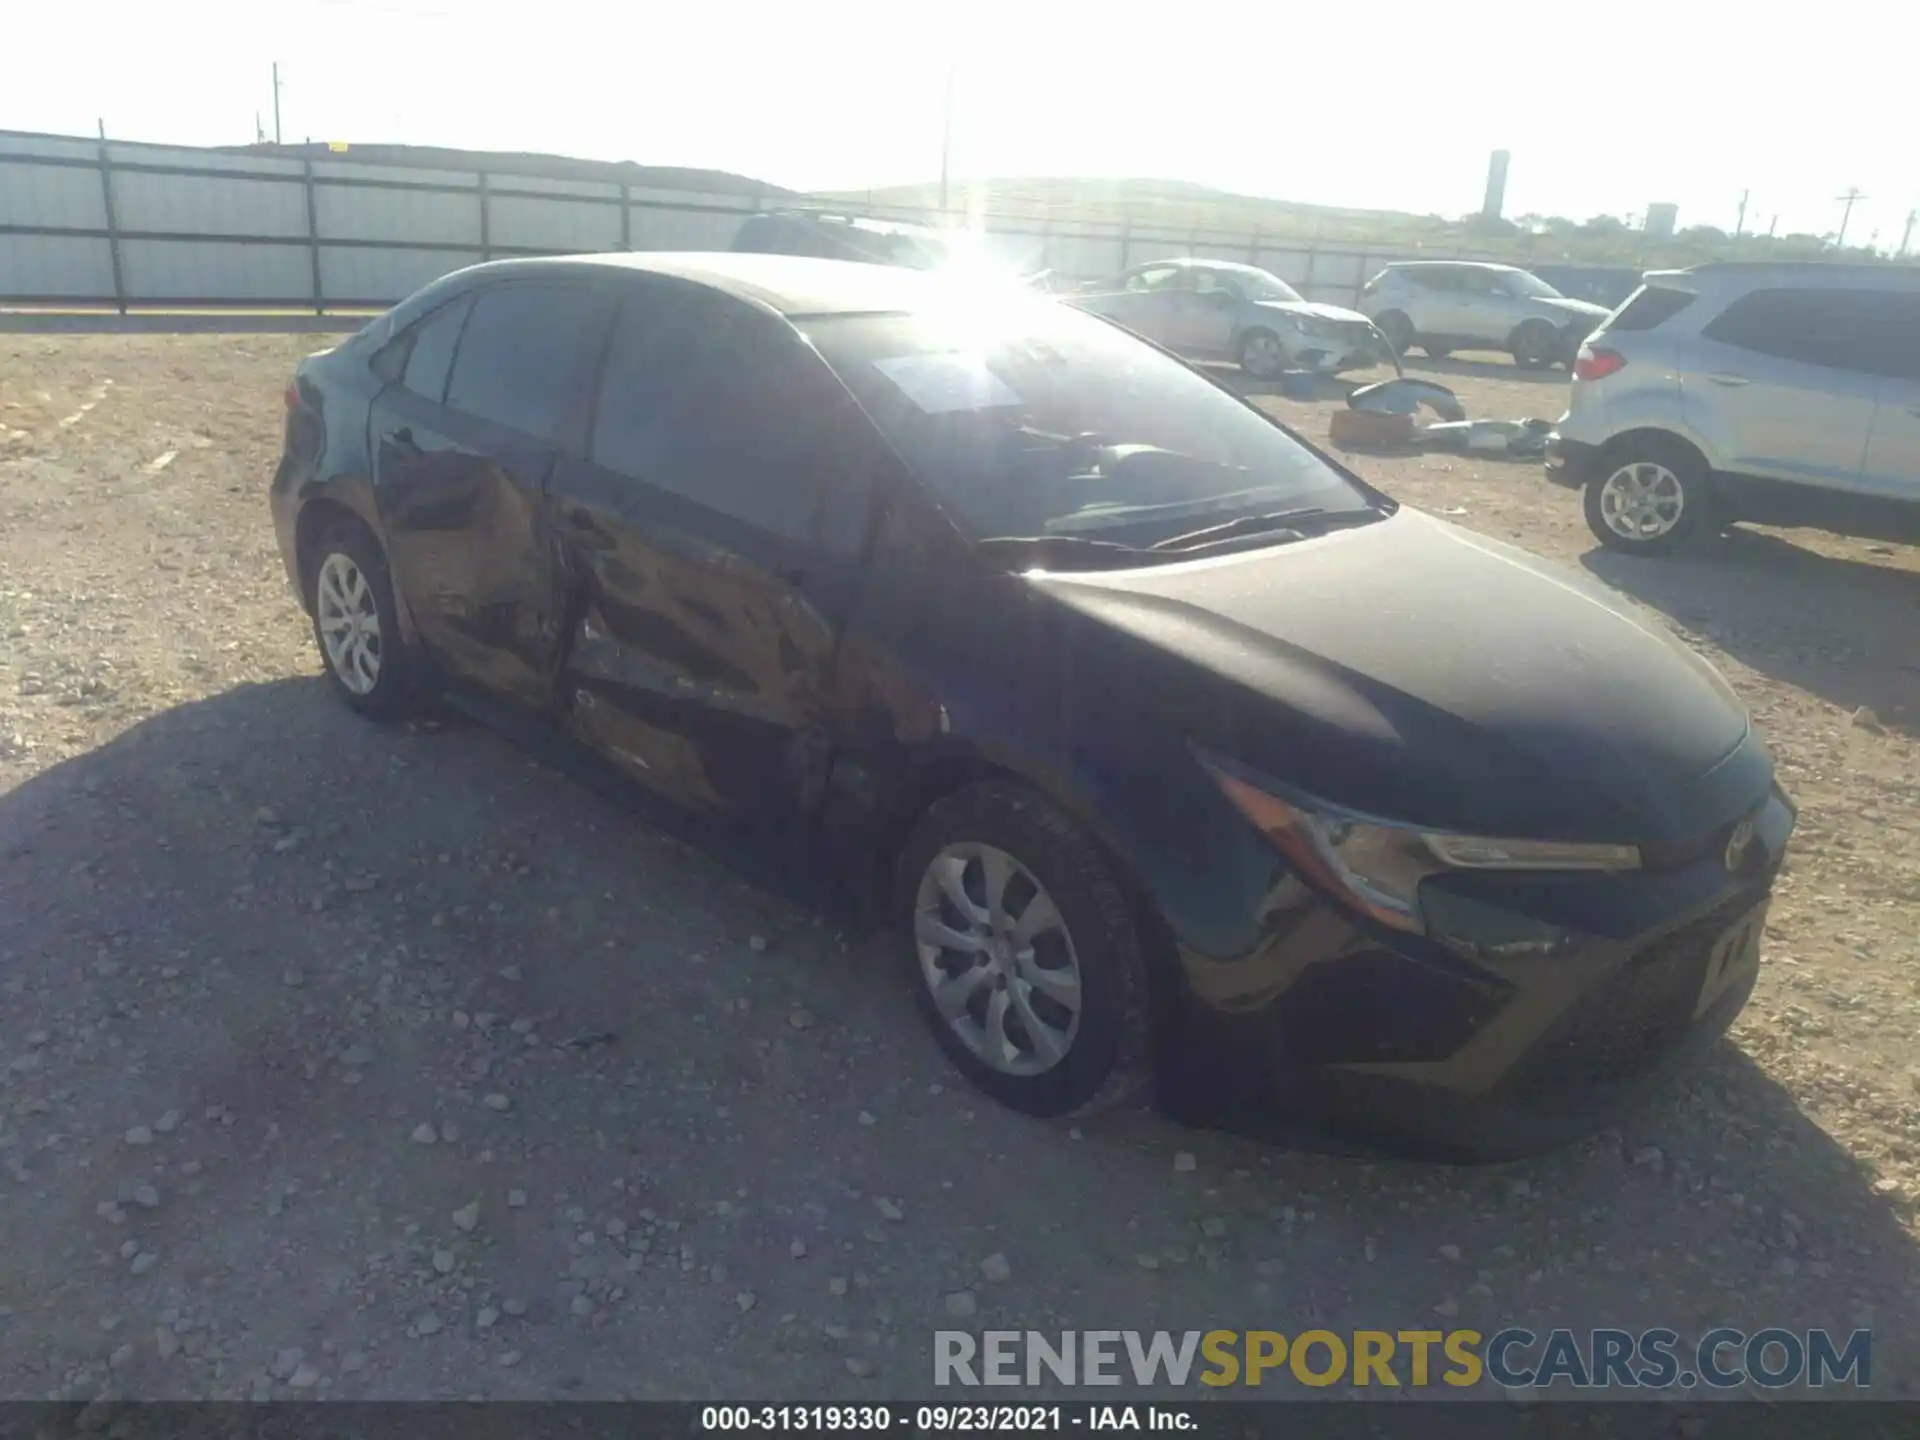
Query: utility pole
[(276, 102), (1740, 223), (1773, 223), (946, 142), (1907, 234), (1848, 199), (102, 123)]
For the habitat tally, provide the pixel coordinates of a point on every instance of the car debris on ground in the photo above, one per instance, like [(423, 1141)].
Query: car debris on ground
[(1385, 415)]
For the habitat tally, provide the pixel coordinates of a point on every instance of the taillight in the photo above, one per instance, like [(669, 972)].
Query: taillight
[(293, 395), (1592, 364)]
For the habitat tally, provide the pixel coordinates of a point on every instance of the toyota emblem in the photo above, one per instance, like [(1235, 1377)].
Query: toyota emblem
[(1738, 842)]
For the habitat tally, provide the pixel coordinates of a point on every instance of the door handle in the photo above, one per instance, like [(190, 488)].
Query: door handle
[(1728, 379)]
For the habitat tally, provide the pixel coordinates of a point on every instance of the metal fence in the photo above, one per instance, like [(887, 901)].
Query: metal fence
[(96, 222)]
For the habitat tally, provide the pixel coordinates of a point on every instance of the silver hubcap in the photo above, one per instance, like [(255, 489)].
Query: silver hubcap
[(997, 958), (1263, 356), (349, 623), (1642, 501)]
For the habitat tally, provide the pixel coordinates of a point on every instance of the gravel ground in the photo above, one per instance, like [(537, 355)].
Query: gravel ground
[(361, 1062)]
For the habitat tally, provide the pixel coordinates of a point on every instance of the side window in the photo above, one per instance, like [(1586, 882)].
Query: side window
[(1433, 279), (717, 402), (1212, 282), (431, 356), (1891, 341), (1867, 332), (519, 356), (1154, 279)]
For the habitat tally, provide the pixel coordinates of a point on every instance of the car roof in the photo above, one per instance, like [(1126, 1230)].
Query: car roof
[(1800, 272), (1201, 262), (790, 285), (1449, 265)]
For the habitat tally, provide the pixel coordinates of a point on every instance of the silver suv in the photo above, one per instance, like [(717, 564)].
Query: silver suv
[(1787, 394), (1448, 305)]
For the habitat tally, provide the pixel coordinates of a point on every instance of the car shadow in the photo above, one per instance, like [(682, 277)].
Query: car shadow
[(267, 884), (1846, 630), (1484, 370)]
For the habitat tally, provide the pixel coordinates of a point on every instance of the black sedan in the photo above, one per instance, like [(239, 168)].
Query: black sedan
[(1181, 752)]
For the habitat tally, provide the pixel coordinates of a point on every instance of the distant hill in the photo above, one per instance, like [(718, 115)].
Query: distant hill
[(513, 162), (1175, 204)]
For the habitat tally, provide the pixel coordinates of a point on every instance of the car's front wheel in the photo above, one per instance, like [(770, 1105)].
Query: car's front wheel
[(1398, 329), (1649, 496), (1535, 345), (355, 623), (1262, 355), (1027, 960)]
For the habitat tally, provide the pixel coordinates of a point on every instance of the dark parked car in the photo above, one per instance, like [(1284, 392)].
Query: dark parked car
[(1177, 747)]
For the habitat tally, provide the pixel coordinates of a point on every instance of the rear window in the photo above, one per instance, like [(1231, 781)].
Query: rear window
[(1648, 307)]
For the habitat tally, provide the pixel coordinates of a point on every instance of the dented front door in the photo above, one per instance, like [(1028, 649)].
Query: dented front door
[(712, 541)]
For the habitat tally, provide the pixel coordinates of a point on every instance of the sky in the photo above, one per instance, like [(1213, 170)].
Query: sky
[(1604, 107)]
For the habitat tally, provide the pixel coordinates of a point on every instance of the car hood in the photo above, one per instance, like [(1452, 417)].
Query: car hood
[(1313, 310), (1577, 309), (1411, 670)]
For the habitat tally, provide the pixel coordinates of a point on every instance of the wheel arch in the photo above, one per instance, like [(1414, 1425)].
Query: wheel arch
[(945, 771), (1621, 444), (319, 514)]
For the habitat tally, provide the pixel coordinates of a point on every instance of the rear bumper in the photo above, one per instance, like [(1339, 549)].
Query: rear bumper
[(1570, 462)]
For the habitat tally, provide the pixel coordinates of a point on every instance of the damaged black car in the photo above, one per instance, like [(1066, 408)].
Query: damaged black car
[(1185, 760)]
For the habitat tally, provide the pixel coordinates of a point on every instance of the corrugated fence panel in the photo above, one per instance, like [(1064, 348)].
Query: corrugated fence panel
[(55, 267), (207, 205), (59, 145), (51, 195), (658, 229), (1090, 259), (419, 217), (133, 156), (358, 273), (212, 270), (552, 223)]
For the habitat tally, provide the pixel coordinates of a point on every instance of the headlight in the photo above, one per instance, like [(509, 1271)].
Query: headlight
[(1378, 866)]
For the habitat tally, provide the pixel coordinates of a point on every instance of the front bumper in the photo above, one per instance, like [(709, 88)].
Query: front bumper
[(1571, 463), (1537, 1008)]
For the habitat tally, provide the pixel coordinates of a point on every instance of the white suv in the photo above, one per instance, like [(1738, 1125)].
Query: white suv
[(1447, 305), (1787, 394)]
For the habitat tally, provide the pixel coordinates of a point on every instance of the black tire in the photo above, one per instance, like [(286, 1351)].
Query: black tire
[(1107, 1059), (1689, 472), (1398, 328), (392, 692), (1435, 349), (1535, 345)]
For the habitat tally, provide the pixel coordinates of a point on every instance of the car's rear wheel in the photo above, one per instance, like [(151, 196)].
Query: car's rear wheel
[(1536, 345), (1262, 355), (1027, 960), (1398, 329), (1650, 496), (355, 623)]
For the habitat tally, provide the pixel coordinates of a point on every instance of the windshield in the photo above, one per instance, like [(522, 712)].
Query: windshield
[(1030, 418), (1531, 286), (1259, 285)]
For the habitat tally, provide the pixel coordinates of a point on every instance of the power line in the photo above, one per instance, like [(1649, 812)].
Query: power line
[(1853, 194)]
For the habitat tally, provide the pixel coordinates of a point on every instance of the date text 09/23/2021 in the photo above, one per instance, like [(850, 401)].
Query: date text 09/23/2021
[(944, 1419)]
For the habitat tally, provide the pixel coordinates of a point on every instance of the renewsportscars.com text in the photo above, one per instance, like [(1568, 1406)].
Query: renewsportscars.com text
[(1657, 1359)]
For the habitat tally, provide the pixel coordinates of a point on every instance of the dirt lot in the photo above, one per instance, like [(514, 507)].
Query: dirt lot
[(347, 1061)]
